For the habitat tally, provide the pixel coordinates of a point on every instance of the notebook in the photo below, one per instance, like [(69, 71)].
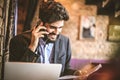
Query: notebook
[(31, 71), (76, 77)]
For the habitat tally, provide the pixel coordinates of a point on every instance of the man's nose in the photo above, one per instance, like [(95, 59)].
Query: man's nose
[(56, 30)]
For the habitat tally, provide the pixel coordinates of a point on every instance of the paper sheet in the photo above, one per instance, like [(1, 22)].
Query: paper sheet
[(87, 74), (68, 77)]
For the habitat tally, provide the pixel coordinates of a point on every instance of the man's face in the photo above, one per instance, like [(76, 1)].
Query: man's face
[(54, 29)]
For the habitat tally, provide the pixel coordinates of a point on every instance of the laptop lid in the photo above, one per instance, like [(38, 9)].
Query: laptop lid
[(31, 71)]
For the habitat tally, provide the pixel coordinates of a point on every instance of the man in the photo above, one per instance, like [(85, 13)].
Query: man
[(44, 43)]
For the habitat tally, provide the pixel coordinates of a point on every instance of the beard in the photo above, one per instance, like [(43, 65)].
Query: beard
[(50, 38)]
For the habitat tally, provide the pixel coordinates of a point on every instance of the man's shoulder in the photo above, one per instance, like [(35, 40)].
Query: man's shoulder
[(24, 35), (63, 36)]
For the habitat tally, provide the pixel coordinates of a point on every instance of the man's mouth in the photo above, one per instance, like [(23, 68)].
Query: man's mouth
[(52, 33), (52, 36)]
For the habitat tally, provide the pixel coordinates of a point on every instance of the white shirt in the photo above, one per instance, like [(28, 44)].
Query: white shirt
[(46, 51)]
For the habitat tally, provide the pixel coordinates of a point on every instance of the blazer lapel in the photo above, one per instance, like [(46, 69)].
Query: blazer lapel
[(58, 50)]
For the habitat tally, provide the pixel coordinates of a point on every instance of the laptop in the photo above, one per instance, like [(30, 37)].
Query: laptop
[(31, 71)]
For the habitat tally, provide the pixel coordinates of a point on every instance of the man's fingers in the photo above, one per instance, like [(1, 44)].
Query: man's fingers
[(43, 32), (41, 23), (39, 28)]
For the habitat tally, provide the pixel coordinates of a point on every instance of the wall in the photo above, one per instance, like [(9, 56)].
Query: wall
[(100, 48)]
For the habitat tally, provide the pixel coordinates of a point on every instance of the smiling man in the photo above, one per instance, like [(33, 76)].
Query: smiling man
[(54, 29), (44, 43)]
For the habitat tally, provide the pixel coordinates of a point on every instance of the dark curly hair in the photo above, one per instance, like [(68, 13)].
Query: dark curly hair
[(52, 11)]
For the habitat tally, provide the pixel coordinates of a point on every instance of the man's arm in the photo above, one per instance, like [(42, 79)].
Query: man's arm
[(68, 71), (19, 51)]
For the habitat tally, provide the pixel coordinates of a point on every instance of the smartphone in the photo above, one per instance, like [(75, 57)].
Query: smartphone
[(45, 38)]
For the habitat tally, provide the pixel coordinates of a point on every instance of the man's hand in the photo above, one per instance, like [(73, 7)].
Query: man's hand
[(36, 34), (86, 71), (82, 75)]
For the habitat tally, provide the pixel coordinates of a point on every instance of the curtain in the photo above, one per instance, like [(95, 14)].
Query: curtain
[(10, 22), (7, 29), (1, 33), (30, 14)]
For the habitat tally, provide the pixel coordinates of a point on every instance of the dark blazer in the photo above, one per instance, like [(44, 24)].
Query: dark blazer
[(19, 51)]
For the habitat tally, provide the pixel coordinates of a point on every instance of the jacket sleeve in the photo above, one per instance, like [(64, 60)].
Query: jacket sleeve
[(19, 51), (68, 71)]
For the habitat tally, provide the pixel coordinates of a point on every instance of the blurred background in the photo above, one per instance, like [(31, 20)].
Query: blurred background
[(97, 18)]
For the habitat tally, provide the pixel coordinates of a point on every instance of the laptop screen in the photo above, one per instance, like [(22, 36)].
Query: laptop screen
[(31, 71)]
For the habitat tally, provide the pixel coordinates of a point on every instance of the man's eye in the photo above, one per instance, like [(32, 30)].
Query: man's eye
[(51, 26), (60, 27)]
